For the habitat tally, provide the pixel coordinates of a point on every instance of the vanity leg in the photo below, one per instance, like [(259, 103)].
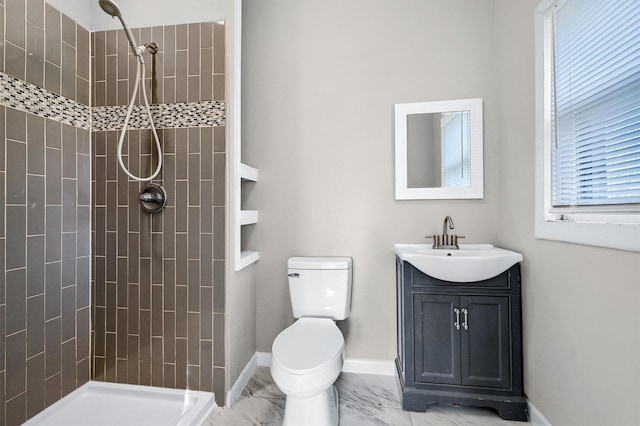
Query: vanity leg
[(417, 403), (515, 411)]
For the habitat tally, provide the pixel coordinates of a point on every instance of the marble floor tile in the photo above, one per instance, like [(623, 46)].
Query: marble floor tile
[(367, 415), (448, 415), (369, 390), (364, 400), (262, 385), (249, 411)]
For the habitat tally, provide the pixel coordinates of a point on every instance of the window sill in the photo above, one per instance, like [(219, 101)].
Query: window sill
[(615, 236), (620, 236)]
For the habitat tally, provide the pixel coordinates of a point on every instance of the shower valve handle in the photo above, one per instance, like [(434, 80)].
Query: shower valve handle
[(147, 197), (153, 198)]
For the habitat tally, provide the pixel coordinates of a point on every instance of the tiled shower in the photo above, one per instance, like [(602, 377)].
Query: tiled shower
[(92, 287)]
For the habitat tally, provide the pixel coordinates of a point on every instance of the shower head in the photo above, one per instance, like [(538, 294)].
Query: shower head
[(111, 8)]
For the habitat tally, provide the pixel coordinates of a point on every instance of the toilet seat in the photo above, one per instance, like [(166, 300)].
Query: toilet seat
[(308, 346)]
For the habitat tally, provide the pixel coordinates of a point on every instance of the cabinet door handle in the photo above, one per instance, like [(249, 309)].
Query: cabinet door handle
[(465, 322), (457, 323)]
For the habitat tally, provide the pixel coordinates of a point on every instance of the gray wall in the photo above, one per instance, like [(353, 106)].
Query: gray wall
[(580, 303), (320, 81), (241, 321)]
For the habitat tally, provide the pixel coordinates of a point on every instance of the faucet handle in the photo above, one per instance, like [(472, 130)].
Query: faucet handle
[(455, 238)]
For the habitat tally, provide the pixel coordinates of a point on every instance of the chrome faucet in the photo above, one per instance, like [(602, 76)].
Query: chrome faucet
[(444, 227), (446, 241)]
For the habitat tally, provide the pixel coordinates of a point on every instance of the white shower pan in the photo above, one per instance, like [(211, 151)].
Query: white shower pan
[(110, 404)]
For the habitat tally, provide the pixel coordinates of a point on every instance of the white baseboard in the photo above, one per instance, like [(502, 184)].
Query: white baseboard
[(234, 393), (535, 416), (359, 366), (369, 366), (264, 359)]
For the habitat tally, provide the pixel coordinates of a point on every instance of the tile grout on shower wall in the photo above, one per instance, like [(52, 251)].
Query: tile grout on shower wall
[(45, 248), (163, 276), (51, 197)]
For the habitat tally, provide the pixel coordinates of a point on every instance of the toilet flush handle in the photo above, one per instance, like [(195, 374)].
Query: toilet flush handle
[(294, 275)]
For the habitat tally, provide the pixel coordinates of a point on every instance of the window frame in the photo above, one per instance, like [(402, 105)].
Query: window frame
[(609, 226), (465, 158)]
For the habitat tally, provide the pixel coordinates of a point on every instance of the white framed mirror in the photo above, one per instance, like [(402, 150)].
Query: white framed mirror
[(438, 149)]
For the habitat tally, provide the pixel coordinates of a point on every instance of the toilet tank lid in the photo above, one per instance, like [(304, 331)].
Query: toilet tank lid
[(319, 263)]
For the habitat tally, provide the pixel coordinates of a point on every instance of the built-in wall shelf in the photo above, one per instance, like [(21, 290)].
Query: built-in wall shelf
[(248, 173), (247, 257), (244, 257), (248, 217)]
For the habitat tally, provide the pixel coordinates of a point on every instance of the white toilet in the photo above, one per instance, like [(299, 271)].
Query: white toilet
[(307, 356)]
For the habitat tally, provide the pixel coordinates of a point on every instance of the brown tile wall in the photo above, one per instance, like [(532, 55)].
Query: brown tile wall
[(187, 68), (45, 214), (158, 280)]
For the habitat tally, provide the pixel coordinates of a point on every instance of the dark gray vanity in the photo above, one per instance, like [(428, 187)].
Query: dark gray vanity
[(460, 342)]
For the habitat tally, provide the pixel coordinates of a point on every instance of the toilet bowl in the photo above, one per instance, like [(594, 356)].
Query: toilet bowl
[(307, 357)]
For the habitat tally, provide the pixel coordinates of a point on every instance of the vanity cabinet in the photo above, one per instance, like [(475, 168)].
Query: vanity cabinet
[(460, 343)]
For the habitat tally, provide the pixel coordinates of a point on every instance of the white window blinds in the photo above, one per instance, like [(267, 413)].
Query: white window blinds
[(455, 149), (596, 108)]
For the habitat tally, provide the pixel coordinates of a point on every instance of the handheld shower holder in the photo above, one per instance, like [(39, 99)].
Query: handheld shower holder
[(152, 47), (111, 8)]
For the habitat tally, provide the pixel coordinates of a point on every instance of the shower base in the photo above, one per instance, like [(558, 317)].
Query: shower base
[(109, 404)]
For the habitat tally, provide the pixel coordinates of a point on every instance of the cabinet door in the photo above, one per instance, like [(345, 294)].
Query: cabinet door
[(437, 339), (485, 341)]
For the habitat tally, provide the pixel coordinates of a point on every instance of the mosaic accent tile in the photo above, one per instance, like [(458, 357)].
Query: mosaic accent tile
[(30, 98), (165, 116)]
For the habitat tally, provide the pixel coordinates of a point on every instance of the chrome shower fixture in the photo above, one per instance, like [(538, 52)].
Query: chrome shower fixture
[(153, 198), (111, 8)]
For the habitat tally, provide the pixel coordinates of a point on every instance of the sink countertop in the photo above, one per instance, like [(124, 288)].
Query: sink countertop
[(469, 263)]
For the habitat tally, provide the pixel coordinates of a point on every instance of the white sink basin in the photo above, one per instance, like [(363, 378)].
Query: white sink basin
[(472, 262)]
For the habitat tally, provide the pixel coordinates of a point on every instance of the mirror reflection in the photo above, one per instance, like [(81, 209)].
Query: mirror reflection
[(438, 149)]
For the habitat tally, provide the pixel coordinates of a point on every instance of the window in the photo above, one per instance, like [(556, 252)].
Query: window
[(588, 122), (455, 149)]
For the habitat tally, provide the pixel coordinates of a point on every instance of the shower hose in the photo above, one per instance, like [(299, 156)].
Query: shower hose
[(140, 71)]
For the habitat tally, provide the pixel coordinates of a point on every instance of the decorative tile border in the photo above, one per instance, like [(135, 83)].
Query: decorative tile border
[(184, 114), (30, 98)]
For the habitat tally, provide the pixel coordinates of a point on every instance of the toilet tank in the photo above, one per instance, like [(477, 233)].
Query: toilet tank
[(320, 286)]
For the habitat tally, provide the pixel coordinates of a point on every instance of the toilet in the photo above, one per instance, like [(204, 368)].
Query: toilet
[(307, 356)]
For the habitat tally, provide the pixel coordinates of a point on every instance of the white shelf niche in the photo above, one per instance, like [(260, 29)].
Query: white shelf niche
[(248, 173), (248, 217), (245, 258)]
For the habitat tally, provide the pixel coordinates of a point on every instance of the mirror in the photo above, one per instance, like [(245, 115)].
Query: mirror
[(439, 150)]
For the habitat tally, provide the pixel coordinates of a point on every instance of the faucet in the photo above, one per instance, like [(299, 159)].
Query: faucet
[(446, 241), (447, 219)]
